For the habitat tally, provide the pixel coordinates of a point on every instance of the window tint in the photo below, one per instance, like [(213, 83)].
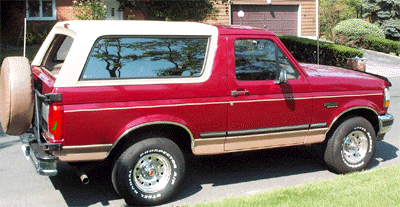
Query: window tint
[(260, 59), (140, 57)]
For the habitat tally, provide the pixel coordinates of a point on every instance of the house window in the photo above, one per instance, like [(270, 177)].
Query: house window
[(41, 10)]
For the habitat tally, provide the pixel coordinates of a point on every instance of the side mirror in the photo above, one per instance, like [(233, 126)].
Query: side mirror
[(282, 79)]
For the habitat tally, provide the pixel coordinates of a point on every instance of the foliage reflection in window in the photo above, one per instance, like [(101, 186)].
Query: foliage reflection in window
[(259, 59), (136, 57)]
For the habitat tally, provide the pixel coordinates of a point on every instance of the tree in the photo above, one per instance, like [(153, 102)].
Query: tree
[(174, 10), (183, 54), (333, 12), (89, 10), (386, 14), (110, 51)]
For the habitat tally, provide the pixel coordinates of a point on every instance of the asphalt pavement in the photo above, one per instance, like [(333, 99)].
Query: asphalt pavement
[(209, 178)]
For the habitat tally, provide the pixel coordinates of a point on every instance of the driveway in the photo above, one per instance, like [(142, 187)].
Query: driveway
[(382, 64)]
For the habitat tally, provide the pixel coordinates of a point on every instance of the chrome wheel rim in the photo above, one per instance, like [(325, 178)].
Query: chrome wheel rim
[(355, 147), (152, 173)]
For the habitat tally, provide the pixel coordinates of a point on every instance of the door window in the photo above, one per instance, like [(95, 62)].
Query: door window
[(260, 59)]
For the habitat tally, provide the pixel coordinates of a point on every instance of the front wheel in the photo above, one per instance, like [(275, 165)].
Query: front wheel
[(149, 172), (351, 146)]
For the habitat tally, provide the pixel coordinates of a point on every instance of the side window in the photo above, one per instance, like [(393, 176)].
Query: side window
[(146, 57), (57, 53), (259, 59), (63, 50)]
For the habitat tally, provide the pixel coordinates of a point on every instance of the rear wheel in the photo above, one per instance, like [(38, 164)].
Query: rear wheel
[(351, 146), (16, 95), (149, 172)]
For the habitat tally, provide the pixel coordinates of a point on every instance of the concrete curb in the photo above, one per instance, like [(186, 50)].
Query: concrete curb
[(380, 53)]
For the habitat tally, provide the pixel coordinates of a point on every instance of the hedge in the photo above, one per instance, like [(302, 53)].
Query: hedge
[(382, 45), (358, 27), (305, 50)]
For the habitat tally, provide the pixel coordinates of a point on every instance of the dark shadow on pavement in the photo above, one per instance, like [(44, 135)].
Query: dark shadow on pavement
[(75, 193), (383, 152), (248, 166), (218, 170)]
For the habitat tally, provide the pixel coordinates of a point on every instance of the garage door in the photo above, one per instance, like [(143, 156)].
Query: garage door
[(282, 20)]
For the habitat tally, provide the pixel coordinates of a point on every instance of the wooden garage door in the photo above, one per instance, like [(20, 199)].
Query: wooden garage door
[(282, 20)]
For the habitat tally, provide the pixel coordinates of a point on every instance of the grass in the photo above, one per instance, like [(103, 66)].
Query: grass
[(379, 187), (31, 51)]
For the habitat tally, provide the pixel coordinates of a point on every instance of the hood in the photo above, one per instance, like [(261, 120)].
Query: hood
[(335, 78)]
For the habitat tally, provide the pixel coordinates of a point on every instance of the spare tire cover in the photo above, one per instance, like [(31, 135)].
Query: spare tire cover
[(16, 95)]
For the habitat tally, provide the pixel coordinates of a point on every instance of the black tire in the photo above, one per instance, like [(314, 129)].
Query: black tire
[(149, 172), (16, 95), (351, 146)]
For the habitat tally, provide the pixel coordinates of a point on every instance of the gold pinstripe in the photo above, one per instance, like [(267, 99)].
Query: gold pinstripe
[(216, 103)]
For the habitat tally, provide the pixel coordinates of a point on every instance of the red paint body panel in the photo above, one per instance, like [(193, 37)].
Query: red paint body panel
[(267, 104), (100, 115)]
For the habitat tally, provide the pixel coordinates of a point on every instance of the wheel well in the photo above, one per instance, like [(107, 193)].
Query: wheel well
[(365, 113), (177, 134)]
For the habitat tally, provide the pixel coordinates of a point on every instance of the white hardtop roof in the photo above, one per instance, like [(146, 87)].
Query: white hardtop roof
[(133, 27), (85, 33)]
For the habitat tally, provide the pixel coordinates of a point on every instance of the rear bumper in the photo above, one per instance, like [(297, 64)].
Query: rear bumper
[(385, 123), (45, 163)]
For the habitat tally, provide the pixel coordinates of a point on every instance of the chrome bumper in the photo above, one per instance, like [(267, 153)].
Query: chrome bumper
[(44, 163), (385, 123)]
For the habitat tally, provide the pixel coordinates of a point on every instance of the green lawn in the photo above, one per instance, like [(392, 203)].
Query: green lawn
[(379, 187), (18, 51)]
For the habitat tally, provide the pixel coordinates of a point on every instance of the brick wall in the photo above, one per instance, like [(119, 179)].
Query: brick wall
[(64, 10)]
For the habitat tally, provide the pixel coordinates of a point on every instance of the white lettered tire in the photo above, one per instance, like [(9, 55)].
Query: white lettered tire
[(351, 146), (149, 172), (16, 95)]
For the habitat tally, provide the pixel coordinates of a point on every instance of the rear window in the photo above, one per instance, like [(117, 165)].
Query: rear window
[(57, 52), (146, 57)]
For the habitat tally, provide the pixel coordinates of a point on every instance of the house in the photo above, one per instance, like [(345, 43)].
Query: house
[(283, 17)]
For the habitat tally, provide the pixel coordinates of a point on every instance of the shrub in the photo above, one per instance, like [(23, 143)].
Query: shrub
[(89, 10), (382, 45), (351, 32), (36, 33), (305, 50)]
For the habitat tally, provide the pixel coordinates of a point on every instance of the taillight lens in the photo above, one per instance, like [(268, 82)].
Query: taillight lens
[(55, 124)]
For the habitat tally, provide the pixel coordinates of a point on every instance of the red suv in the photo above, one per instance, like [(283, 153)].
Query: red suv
[(142, 94)]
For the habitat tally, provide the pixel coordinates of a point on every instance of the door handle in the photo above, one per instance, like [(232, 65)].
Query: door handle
[(239, 93)]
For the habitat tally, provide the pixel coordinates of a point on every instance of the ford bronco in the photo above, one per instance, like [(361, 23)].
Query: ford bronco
[(142, 94)]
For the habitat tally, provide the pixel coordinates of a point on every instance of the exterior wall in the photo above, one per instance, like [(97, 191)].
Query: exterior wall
[(12, 20), (64, 10), (307, 13), (14, 12)]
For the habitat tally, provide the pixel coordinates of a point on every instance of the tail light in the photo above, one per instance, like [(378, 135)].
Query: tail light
[(55, 121)]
